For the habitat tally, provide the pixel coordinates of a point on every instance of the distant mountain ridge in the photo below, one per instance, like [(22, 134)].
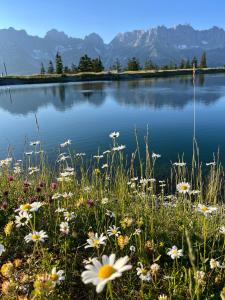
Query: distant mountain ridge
[(23, 53)]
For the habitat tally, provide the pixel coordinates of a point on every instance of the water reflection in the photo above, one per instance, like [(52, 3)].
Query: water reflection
[(156, 93)]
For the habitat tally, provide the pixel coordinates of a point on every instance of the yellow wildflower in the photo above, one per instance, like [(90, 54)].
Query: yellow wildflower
[(7, 269), (122, 241), (8, 228)]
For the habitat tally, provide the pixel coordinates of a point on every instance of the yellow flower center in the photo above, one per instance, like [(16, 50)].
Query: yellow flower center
[(26, 206), (184, 187), (174, 251), (106, 271), (54, 277), (205, 209), (114, 231), (35, 237), (96, 243)]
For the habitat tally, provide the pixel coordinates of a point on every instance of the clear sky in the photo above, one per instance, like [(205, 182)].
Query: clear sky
[(108, 17)]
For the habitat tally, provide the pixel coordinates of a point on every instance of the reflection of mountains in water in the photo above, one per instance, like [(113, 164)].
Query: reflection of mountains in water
[(174, 92), (28, 99)]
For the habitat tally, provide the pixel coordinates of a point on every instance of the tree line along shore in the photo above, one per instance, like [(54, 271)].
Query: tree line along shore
[(101, 76)]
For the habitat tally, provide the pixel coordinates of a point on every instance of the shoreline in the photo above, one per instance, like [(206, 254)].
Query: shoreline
[(103, 76)]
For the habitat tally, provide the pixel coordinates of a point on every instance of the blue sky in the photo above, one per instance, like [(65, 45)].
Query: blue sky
[(81, 17)]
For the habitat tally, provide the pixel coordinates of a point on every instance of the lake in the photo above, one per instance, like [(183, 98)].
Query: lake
[(87, 112)]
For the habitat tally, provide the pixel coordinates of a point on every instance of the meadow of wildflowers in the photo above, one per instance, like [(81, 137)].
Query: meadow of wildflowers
[(108, 229)]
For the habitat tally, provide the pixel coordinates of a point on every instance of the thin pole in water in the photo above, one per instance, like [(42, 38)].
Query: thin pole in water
[(194, 72)]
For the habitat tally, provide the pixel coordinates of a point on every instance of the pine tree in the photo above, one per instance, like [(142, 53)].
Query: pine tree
[(194, 62), (85, 64), (117, 66), (42, 69), (133, 64), (97, 65), (58, 63), (187, 65), (50, 67), (203, 63)]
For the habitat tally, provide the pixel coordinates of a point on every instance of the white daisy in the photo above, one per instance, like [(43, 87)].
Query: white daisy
[(212, 163), (119, 148), (69, 215), (175, 253), (57, 276), (105, 166), (206, 209), (64, 228), (214, 263), (96, 241), (66, 143), (23, 218), (183, 187), (113, 230), (35, 143), (36, 236), (114, 135), (143, 273), (60, 210), (110, 213), (155, 155), (30, 207), (100, 273)]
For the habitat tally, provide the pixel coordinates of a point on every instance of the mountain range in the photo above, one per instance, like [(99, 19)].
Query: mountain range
[(23, 53)]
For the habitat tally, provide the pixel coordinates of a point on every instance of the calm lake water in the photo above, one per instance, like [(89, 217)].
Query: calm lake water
[(88, 112)]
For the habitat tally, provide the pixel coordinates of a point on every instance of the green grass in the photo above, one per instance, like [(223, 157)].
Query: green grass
[(164, 216)]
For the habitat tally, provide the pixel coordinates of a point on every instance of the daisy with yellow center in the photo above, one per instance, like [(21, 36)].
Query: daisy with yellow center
[(183, 187), (29, 207), (206, 209), (99, 273), (36, 236), (113, 230), (57, 276), (96, 241), (174, 252)]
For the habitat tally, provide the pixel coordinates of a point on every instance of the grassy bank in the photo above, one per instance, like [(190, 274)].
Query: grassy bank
[(79, 77), (58, 222)]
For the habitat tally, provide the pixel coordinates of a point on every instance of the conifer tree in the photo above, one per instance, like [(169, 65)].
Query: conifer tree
[(187, 65), (50, 68), (133, 64), (85, 64), (97, 65), (117, 66), (42, 69), (203, 63), (58, 63)]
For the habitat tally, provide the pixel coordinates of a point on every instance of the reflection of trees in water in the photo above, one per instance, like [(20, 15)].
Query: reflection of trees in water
[(62, 97), (175, 92)]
